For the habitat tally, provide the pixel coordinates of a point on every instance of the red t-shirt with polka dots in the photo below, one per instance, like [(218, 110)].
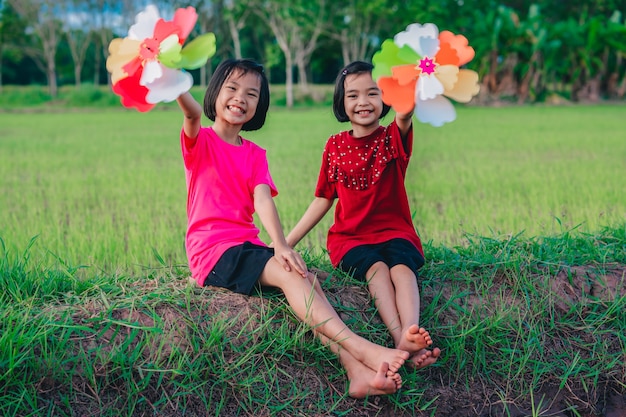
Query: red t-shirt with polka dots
[(366, 175)]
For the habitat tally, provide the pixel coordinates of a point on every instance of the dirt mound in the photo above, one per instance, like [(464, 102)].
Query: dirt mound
[(125, 332)]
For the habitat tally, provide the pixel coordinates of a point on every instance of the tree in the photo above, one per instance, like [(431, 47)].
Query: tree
[(46, 33), (11, 28), (356, 26), (296, 26), (236, 14), (76, 21)]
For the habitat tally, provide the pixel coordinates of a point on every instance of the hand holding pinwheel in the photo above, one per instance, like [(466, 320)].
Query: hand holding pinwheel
[(147, 66), (419, 67)]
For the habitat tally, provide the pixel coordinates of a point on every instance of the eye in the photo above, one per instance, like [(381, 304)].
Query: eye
[(352, 96)]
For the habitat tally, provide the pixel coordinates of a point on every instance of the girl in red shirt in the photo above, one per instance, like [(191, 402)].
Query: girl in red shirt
[(373, 235)]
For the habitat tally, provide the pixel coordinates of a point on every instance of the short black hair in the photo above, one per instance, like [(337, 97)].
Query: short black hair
[(339, 108), (222, 72)]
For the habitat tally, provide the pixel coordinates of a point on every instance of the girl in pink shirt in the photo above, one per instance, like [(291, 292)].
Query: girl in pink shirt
[(373, 235), (228, 180)]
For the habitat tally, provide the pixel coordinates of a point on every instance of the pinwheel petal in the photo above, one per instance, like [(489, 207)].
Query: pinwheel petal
[(169, 54), (423, 39), (465, 88), (117, 60), (405, 74), (145, 23), (460, 44), (164, 29), (447, 55), (167, 88), (436, 111), (428, 87), (447, 75), (151, 71), (185, 19), (133, 95), (197, 52), (385, 59), (400, 97), (127, 47)]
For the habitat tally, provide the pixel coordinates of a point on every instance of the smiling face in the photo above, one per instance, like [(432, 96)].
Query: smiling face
[(238, 98), (363, 103)]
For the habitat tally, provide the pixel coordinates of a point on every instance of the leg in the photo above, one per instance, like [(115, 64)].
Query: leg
[(414, 338), (317, 312), (396, 297), (383, 292), (363, 381)]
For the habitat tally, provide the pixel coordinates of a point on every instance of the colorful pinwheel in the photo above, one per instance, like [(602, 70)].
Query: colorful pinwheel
[(147, 66), (419, 67)]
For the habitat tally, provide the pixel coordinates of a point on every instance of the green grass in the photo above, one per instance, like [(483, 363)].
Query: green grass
[(106, 188), (522, 210)]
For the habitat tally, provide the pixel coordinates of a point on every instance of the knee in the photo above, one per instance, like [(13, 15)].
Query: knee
[(402, 272), (377, 271)]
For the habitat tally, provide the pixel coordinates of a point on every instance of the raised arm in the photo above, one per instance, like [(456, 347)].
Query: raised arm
[(192, 112), (404, 122), (316, 211)]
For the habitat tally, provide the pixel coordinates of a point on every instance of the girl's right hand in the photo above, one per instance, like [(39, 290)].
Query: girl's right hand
[(290, 259)]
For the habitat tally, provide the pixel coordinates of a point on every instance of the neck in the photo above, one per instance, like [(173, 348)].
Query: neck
[(228, 133), (362, 131)]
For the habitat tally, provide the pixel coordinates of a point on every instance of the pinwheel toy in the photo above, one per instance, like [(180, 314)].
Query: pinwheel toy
[(148, 66), (419, 69)]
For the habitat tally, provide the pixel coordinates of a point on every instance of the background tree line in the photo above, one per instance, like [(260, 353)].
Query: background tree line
[(526, 51)]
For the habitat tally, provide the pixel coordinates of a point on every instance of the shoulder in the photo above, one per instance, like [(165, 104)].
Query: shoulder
[(253, 150), (251, 146), (337, 138)]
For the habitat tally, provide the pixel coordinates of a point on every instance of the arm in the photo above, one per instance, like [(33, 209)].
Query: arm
[(316, 211), (404, 122), (266, 209), (192, 112)]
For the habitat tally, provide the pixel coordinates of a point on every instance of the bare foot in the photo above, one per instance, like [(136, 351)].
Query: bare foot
[(424, 358), (364, 382), (415, 339), (372, 355)]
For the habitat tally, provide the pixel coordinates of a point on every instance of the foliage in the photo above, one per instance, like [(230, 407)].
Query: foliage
[(526, 50)]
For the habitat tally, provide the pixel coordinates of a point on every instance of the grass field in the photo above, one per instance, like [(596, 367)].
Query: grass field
[(522, 209), (106, 188)]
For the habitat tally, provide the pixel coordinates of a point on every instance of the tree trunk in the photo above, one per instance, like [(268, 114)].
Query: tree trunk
[(77, 70), (1, 62), (289, 80), (51, 74), (234, 33), (96, 64), (303, 82)]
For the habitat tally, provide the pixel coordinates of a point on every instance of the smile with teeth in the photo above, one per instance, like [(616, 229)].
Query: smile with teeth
[(236, 109)]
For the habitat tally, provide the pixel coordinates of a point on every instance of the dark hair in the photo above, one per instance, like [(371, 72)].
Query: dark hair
[(339, 108), (222, 72)]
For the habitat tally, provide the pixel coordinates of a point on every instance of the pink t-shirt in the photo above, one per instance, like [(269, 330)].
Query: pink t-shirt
[(220, 197), (367, 176)]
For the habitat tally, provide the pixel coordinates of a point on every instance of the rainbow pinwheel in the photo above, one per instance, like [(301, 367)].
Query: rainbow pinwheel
[(147, 66), (419, 68)]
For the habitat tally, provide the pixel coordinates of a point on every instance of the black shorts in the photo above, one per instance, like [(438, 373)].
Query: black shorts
[(393, 252), (240, 268)]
